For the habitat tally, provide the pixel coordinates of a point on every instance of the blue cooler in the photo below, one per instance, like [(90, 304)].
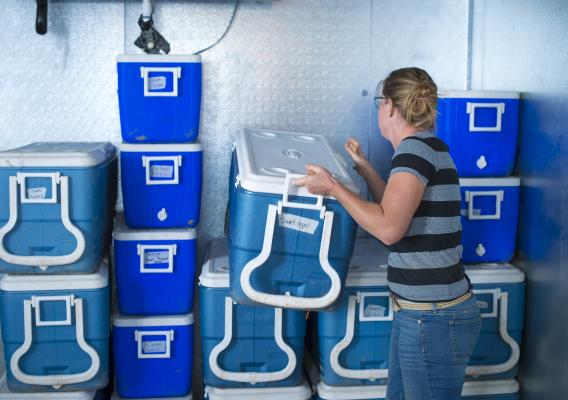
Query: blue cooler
[(152, 355), (56, 207), (489, 390), (55, 330), (117, 397), (490, 212), (295, 392), (6, 394), (159, 97), (154, 270), (500, 292), (288, 248), (161, 185), (251, 345), (354, 339), (481, 129)]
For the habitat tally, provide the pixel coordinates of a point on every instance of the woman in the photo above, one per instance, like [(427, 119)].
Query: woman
[(417, 214)]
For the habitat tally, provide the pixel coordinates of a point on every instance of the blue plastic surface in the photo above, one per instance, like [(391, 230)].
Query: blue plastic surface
[(495, 237), (498, 148), (159, 119), (143, 203), (152, 377)]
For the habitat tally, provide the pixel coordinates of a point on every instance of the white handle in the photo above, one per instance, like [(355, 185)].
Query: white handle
[(499, 196), (147, 164), (251, 377), (170, 248), (499, 109), (370, 374), (479, 370), (54, 380), (318, 205), (42, 261), (168, 339), (176, 74), (286, 300)]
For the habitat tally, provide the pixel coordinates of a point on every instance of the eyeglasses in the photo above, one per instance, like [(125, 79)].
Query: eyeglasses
[(378, 100)]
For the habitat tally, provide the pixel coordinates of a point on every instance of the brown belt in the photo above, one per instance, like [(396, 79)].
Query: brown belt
[(399, 303)]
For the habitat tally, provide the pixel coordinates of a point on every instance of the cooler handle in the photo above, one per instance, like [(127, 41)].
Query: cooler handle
[(370, 374), (499, 108), (286, 300), (479, 370), (169, 338), (499, 196), (176, 74), (42, 261), (170, 248), (54, 380), (318, 205), (147, 161), (251, 377)]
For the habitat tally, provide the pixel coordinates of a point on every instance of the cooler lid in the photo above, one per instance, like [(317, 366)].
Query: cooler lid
[(161, 148), (215, 271), (490, 388), (58, 154), (123, 321), (265, 157), (115, 396), (326, 392), (159, 58), (301, 392), (494, 273), (479, 94), (485, 182), (5, 394), (123, 232), (368, 265), (34, 283)]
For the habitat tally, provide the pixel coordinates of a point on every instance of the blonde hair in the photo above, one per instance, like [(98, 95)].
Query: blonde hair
[(414, 94)]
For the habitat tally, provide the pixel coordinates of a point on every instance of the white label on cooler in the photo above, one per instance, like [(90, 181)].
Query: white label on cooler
[(374, 310), (37, 193), (297, 223), (156, 257), (162, 171), (157, 82), (154, 347)]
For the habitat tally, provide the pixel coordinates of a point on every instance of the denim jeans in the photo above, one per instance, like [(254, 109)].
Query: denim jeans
[(430, 350)]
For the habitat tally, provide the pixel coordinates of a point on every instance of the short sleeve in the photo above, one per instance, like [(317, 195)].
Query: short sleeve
[(416, 157)]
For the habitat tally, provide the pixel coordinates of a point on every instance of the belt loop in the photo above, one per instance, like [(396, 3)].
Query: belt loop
[(434, 308), (395, 306)]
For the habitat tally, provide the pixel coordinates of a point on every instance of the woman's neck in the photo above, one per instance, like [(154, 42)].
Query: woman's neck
[(402, 133)]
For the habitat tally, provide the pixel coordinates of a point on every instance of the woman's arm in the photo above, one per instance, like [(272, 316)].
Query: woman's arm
[(375, 183)]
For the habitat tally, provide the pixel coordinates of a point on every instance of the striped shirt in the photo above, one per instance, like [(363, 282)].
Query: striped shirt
[(425, 265)]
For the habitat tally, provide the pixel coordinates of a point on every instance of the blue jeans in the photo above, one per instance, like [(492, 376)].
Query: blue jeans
[(430, 350)]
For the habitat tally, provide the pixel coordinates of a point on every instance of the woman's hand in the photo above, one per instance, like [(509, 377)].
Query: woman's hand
[(318, 180), (353, 148)]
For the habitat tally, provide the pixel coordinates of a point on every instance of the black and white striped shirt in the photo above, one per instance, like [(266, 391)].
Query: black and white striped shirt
[(425, 265)]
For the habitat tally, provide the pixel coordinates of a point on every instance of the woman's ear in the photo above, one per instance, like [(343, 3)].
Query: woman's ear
[(390, 107)]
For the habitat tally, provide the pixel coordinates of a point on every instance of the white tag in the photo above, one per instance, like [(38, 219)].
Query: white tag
[(297, 223), (156, 257), (374, 310), (37, 193), (482, 304), (154, 347), (157, 82), (161, 171)]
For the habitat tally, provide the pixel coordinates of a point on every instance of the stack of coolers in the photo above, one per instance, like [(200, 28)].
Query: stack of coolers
[(155, 238), (287, 252), (56, 208)]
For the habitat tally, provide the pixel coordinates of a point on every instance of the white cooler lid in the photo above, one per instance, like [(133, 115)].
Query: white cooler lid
[(351, 392), (485, 182), (479, 94), (58, 154), (301, 392), (482, 388), (28, 283), (368, 265), (123, 232), (215, 270), (159, 58), (5, 394), (123, 321), (494, 273), (161, 148), (188, 397), (265, 156)]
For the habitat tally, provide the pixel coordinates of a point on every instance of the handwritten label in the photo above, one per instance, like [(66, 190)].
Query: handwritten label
[(154, 347), (37, 193), (156, 257), (157, 83), (291, 221), (162, 171), (374, 310)]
